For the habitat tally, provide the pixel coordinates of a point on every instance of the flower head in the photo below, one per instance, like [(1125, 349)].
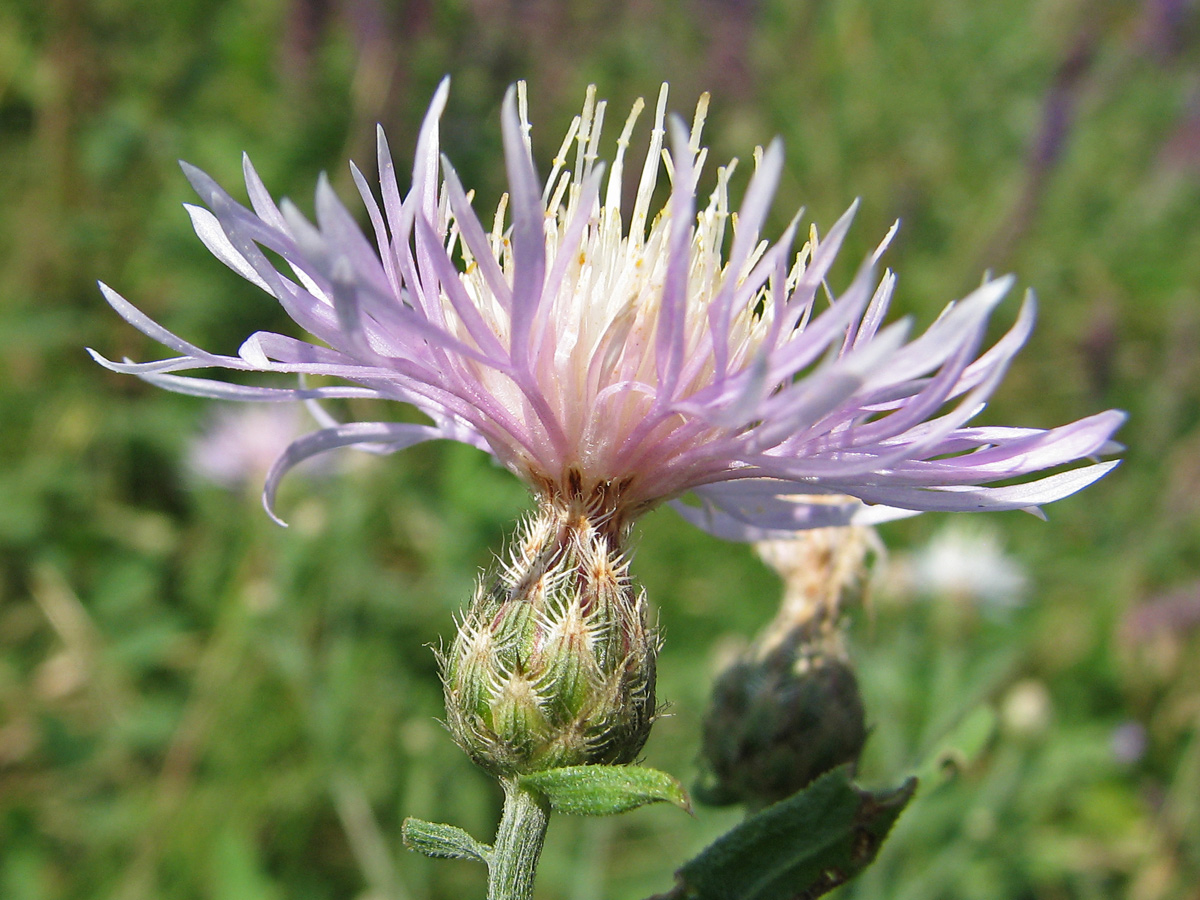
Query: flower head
[(240, 444), (623, 357), (968, 564)]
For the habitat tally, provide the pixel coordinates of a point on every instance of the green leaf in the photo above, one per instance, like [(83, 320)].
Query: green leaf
[(604, 790), (798, 849), (442, 841), (959, 748)]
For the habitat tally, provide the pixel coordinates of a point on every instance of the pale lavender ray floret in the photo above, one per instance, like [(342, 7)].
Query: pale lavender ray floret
[(623, 356)]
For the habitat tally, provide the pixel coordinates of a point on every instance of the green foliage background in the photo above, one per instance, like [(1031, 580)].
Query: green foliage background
[(195, 703)]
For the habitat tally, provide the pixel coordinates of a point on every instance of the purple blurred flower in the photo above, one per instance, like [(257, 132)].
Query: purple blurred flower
[(1128, 742), (627, 364), (240, 444)]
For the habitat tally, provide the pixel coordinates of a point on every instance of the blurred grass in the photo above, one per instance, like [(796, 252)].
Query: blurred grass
[(194, 703)]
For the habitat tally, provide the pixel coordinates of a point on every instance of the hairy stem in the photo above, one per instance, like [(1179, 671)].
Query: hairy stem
[(518, 844)]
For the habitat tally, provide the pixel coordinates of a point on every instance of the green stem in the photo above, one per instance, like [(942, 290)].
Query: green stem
[(518, 844)]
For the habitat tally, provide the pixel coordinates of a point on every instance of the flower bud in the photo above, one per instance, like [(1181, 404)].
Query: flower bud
[(779, 721), (788, 710), (553, 663)]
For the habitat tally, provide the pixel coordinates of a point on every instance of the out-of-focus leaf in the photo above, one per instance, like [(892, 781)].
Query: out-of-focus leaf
[(801, 847), (959, 748)]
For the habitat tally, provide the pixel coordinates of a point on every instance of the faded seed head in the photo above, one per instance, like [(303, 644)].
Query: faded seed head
[(554, 662)]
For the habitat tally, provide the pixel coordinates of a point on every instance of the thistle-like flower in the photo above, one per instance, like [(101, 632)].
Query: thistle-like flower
[(614, 360), (623, 357)]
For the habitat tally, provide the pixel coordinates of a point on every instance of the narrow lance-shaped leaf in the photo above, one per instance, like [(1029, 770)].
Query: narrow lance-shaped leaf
[(605, 790), (442, 841)]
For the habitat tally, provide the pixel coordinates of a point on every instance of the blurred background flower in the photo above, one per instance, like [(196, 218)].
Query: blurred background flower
[(963, 561), (240, 443), (195, 703)]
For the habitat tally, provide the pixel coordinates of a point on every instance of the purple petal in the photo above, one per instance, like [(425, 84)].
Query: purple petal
[(153, 330), (397, 436), (260, 198), (807, 402), (802, 297), (749, 223), (459, 299), (209, 230), (672, 310), (977, 499), (476, 239), (378, 227), (779, 515), (528, 235), (425, 163), (223, 390)]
